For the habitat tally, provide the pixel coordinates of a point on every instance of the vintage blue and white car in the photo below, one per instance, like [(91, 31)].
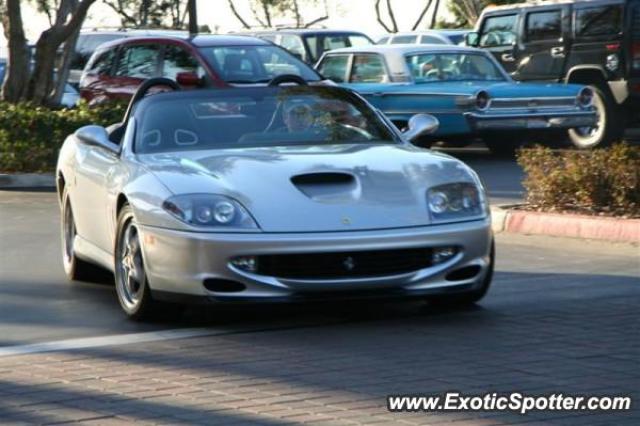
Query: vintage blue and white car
[(466, 89)]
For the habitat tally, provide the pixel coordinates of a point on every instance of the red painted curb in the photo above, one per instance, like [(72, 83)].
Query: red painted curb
[(575, 226)]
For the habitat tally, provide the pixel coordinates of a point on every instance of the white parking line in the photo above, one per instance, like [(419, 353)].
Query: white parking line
[(114, 340)]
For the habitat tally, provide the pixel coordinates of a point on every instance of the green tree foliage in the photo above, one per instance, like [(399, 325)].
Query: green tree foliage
[(170, 14)]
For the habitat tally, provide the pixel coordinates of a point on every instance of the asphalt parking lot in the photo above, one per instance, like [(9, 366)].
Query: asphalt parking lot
[(562, 316)]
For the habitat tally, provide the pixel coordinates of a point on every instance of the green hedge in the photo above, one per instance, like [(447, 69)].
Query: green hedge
[(30, 136), (602, 181)]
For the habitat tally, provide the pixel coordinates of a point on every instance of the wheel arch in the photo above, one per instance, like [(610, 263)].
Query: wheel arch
[(588, 75)]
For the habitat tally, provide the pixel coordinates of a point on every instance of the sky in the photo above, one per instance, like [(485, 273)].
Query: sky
[(344, 14)]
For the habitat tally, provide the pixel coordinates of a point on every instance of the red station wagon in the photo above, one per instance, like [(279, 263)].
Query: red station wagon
[(117, 68)]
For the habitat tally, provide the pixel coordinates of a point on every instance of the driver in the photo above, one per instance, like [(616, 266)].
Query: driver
[(298, 116)]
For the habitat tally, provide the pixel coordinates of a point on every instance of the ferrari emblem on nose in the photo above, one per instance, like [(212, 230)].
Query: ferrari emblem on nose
[(349, 263)]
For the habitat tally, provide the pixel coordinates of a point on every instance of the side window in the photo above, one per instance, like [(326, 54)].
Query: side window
[(368, 69), (334, 67), (544, 25), (406, 39), (426, 39), (594, 21), (177, 60), (383, 40), (293, 44), (498, 31), (103, 63), (139, 61)]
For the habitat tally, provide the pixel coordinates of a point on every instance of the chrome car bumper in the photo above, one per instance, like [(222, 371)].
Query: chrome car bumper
[(479, 121), (178, 263)]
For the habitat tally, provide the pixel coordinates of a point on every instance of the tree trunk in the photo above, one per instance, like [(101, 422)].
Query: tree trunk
[(40, 83), (63, 69), (18, 64)]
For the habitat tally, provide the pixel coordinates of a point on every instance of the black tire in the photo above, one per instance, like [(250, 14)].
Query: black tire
[(469, 297), (132, 286), (75, 268), (610, 127), (501, 146)]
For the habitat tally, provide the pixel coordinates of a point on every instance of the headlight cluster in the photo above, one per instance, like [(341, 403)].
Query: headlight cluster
[(585, 97), (209, 210), (455, 201)]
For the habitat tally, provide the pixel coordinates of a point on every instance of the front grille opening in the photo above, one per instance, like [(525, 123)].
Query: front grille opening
[(223, 286), (462, 274), (356, 264)]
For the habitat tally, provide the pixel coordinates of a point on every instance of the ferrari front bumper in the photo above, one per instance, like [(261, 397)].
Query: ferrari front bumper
[(178, 263)]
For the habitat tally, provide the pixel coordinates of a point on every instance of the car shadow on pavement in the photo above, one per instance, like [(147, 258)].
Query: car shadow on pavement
[(534, 333)]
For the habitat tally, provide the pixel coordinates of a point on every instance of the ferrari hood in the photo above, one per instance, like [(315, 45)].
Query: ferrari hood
[(316, 189)]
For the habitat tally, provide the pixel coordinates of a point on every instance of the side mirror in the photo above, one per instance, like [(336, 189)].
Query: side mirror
[(188, 79), (421, 125), (472, 39), (96, 136)]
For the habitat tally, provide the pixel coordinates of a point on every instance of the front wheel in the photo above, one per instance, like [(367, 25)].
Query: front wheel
[(608, 127), (132, 286)]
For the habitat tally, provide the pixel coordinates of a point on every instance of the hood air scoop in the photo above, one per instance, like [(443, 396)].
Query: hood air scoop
[(328, 187)]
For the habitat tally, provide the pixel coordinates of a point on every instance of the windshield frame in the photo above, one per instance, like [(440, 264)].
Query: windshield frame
[(489, 57), (371, 113), (207, 52)]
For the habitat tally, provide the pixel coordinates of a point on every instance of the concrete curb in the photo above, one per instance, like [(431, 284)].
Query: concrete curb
[(27, 180), (506, 219)]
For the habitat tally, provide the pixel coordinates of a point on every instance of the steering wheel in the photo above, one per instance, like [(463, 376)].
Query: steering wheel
[(361, 132), (287, 78)]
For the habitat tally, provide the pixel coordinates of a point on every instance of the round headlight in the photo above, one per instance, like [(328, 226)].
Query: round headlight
[(224, 212), (438, 202), (483, 100), (585, 97), (203, 214)]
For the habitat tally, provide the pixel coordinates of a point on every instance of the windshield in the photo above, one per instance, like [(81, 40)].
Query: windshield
[(255, 64), (257, 117), (430, 67)]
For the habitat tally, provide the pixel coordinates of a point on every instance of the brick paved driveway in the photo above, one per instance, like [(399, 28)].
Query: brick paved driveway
[(563, 316)]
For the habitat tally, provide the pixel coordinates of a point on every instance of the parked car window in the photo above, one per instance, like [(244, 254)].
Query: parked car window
[(103, 63), (431, 67), (427, 39), (294, 45), (334, 67), (177, 60), (383, 40), (255, 64), (368, 69), (544, 25), (595, 21), (86, 45), (139, 61), (457, 39), (268, 37), (406, 39), (498, 31), (318, 44)]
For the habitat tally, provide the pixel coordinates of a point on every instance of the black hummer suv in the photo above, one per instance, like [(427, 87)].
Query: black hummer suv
[(593, 42)]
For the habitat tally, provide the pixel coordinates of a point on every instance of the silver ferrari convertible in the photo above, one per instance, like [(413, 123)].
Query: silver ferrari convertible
[(288, 192)]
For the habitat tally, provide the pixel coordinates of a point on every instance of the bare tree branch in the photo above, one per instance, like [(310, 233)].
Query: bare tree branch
[(424, 12), (434, 15), (379, 17), (392, 16), (237, 15)]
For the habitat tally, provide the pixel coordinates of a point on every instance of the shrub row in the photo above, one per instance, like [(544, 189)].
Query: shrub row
[(30, 136), (602, 181)]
